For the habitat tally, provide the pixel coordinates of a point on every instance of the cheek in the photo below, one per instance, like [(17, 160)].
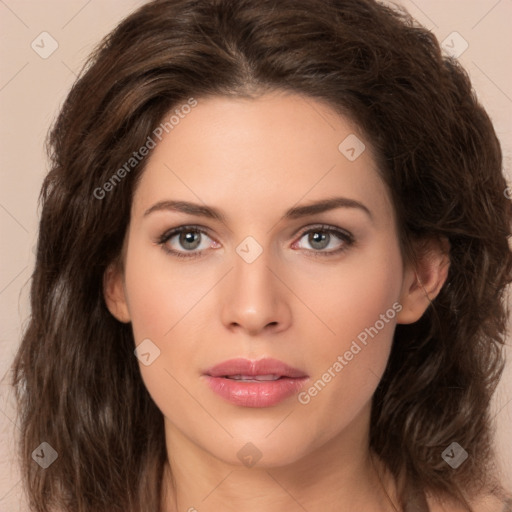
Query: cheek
[(354, 298), (162, 312), (158, 298), (360, 305), (163, 309)]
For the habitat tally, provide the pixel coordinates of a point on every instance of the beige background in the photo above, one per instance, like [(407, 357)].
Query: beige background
[(33, 88)]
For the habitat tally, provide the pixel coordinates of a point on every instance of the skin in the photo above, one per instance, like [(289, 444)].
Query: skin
[(253, 159)]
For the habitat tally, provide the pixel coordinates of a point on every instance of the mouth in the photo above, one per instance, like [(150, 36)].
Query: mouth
[(262, 383), (262, 369), (254, 378)]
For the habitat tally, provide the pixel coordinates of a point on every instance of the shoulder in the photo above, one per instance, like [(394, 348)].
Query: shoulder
[(483, 503)]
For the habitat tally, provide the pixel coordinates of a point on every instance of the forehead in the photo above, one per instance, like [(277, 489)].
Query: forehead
[(260, 155)]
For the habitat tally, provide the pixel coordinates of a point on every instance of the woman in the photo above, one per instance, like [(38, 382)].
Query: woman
[(270, 272)]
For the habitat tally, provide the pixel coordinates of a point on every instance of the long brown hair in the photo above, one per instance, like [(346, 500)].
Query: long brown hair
[(77, 381)]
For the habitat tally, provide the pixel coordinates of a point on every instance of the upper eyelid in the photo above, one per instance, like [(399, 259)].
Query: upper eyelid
[(184, 227), (325, 227)]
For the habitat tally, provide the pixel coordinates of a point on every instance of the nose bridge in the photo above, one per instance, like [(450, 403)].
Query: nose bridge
[(252, 277), (254, 297)]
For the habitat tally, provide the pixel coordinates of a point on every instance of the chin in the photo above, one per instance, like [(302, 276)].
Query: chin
[(265, 450)]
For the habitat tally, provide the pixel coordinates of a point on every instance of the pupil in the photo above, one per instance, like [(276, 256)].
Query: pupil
[(318, 238), (187, 238)]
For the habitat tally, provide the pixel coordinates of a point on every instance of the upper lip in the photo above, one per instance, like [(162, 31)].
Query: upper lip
[(267, 366)]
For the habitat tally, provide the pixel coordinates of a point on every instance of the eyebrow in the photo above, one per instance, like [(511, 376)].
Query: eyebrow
[(295, 212)]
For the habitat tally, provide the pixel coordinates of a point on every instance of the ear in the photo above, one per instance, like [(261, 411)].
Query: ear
[(115, 293), (422, 283)]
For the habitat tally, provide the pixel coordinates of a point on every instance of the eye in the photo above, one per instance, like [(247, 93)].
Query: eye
[(186, 241), (322, 237), (187, 238)]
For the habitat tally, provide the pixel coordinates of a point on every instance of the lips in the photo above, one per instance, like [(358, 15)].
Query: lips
[(237, 367), (261, 383)]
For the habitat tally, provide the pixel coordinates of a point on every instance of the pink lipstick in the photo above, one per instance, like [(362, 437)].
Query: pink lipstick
[(261, 383)]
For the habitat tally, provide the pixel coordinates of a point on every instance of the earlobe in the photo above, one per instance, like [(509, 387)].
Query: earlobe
[(423, 283), (115, 294)]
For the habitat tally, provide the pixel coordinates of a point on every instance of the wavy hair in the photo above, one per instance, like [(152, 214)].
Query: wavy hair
[(77, 382)]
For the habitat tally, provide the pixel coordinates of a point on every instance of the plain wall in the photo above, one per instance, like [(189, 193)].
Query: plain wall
[(32, 89)]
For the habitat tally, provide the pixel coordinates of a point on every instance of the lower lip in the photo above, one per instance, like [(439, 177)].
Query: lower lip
[(255, 394)]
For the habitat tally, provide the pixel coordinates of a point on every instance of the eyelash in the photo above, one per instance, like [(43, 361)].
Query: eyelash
[(342, 235)]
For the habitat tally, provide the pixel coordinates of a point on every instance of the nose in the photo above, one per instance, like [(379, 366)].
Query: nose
[(255, 300)]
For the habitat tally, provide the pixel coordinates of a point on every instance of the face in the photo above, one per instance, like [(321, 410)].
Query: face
[(306, 298)]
